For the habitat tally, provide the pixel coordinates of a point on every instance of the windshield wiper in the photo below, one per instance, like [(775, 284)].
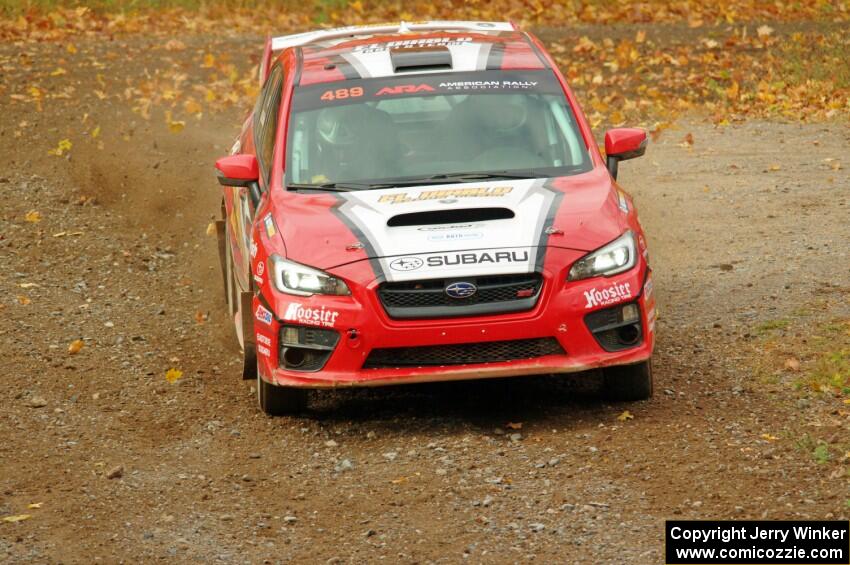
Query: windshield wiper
[(468, 177), (329, 186)]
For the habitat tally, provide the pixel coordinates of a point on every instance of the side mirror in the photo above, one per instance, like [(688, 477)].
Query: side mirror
[(622, 144), (238, 170), (241, 171)]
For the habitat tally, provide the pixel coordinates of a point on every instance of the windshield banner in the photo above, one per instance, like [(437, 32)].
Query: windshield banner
[(477, 82)]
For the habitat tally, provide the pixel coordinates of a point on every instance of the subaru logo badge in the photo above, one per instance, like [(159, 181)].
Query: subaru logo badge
[(406, 264), (461, 290)]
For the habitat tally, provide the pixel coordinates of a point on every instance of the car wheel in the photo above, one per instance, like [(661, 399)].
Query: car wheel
[(280, 400), (628, 382)]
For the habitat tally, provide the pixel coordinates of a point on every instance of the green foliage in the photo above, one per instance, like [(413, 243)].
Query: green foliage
[(772, 325), (821, 453)]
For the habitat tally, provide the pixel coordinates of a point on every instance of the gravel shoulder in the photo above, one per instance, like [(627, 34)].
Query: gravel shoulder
[(747, 225)]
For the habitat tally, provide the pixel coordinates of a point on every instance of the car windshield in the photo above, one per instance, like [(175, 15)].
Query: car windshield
[(361, 134)]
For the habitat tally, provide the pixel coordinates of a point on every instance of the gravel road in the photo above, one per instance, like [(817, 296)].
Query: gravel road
[(748, 229)]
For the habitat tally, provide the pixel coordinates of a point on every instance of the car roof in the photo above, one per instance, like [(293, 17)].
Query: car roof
[(405, 49)]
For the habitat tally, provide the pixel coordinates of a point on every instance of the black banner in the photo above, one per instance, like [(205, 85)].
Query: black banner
[(354, 91), (761, 542)]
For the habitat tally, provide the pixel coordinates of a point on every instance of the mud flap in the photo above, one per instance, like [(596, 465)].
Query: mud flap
[(249, 347), (221, 234)]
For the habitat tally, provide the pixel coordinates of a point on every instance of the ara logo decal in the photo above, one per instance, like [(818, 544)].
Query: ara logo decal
[(263, 315), (261, 268), (610, 295), (406, 264), (404, 89)]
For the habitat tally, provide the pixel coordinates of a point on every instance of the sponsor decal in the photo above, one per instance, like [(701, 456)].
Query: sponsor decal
[(647, 290), (477, 258), (413, 43), (269, 223), (296, 312), (263, 350), (253, 249), (475, 192), (406, 264), (623, 202), (461, 289), (404, 89), (489, 85), (261, 268), (264, 339), (455, 236), (443, 228), (612, 294), (263, 315)]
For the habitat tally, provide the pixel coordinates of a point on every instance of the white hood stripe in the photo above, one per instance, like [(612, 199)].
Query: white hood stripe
[(460, 249)]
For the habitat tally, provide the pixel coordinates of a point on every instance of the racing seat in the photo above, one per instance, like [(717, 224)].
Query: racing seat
[(358, 142)]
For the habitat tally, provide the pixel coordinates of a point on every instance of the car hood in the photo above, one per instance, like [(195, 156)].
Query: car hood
[(495, 227)]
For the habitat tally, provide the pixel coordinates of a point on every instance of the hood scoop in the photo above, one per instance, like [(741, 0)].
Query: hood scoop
[(419, 59), (454, 216)]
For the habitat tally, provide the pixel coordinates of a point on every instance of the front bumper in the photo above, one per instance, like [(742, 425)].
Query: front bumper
[(363, 325)]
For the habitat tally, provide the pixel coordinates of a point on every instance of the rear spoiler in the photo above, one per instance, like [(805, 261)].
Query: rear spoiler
[(286, 41)]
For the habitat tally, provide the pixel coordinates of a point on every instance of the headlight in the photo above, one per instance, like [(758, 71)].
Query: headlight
[(616, 257), (293, 278)]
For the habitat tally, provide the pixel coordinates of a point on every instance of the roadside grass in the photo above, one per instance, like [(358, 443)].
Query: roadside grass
[(772, 325), (817, 58), (805, 359)]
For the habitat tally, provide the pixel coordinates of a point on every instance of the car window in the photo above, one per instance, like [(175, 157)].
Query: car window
[(385, 129), (265, 125)]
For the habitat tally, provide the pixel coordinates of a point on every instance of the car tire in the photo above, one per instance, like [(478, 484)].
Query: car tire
[(628, 382), (277, 400)]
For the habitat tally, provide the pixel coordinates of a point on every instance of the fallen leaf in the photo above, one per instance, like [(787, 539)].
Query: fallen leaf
[(61, 148), (28, 285), (17, 518), (23, 300), (33, 216), (176, 126), (201, 317), (792, 364), (95, 132), (764, 31), (173, 375), (34, 505), (775, 167), (514, 425), (211, 228), (769, 437), (846, 401), (626, 415), (175, 45), (75, 346)]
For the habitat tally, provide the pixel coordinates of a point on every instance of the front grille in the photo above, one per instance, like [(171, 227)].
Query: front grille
[(496, 294), (462, 353)]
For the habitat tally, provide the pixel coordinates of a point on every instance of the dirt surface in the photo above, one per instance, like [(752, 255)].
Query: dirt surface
[(747, 225)]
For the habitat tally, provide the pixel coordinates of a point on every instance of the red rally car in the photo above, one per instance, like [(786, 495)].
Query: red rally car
[(424, 202)]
